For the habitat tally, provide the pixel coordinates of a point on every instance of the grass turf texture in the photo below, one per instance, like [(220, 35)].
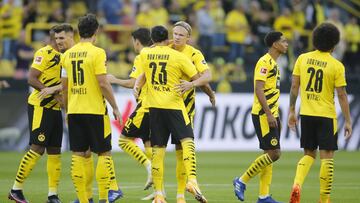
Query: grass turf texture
[(216, 171)]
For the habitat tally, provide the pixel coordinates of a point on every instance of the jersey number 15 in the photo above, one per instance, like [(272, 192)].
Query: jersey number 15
[(77, 72)]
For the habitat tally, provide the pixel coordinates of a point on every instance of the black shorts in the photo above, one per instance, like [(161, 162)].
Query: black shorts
[(177, 141), (137, 125), (318, 132), (164, 122), (269, 138), (89, 131), (45, 125)]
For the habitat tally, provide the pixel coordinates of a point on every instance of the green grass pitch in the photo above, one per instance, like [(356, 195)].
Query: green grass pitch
[(216, 171)]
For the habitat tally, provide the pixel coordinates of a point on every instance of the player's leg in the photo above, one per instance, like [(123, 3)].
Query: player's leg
[(37, 148), (180, 174)]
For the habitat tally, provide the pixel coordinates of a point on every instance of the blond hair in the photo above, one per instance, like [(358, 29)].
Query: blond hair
[(185, 25)]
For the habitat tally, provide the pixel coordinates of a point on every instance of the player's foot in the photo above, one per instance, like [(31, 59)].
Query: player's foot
[(180, 200), (239, 188), (149, 197), (268, 199), (17, 196), (114, 195), (159, 199), (53, 199), (77, 201), (193, 188), (295, 194)]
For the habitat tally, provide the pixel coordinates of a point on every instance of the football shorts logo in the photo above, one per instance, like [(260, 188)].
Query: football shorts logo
[(133, 69), (41, 137), (263, 71), (274, 141), (203, 62), (38, 60)]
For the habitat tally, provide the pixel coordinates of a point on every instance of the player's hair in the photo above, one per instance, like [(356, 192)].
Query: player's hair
[(185, 25), (272, 37), (143, 35), (325, 37), (88, 25), (159, 33), (66, 27)]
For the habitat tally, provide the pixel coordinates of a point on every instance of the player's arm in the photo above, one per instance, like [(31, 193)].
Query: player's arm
[(205, 88), (64, 85), (294, 92), (33, 79), (204, 79), (139, 83), (259, 91), (127, 83), (107, 92), (344, 104)]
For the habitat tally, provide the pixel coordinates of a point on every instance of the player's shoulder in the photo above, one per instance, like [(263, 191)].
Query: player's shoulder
[(265, 59), (46, 50)]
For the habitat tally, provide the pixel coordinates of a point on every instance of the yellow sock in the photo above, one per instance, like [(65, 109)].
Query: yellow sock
[(326, 179), (54, 170), (113, 182), (260, 163), (103, 169), (133, 150), (189, 158), (265, 180), (89, 175), (148, 152), (26, 165), (180, 173), (78, 177), (158, 168), (302, 169)]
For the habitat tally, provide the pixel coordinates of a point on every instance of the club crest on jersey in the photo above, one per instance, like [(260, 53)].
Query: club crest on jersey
[(41, 137), (274, 141), (203, 62), (38, 59), (263, 71)]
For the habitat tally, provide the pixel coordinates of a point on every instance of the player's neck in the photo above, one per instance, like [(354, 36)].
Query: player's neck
[(274, 53), (91, 40), (163, 43), (179, 47)]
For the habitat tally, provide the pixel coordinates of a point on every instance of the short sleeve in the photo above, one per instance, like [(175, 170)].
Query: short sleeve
[(340, 79), (297, 65), (262, 70), (188, 68), (100, 63), (137, 68), (200, 62), (40, 60)]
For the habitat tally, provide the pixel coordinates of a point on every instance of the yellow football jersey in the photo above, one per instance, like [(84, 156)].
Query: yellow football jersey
[(164, 67), (320, 74), (82, 63), (46, 60), (267, 70), (198, 59)]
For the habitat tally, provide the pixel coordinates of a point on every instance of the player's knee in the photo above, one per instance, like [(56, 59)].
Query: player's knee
[(38, 149), (107, 153), (178, 147), (274, 154), (53, 150)]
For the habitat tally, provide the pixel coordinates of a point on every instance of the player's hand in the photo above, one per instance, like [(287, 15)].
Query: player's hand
[(212, 100), (348, 130), (292, 121), (272, 121), (184, 86), (111, 78), (46, 91), (4, 84), (59, 99), (136, 91), (117, 116)]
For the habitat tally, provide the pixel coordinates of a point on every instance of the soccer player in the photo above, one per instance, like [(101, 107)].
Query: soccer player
[(265, 116), (163, 68), (85, 91), (318, 75), (45, 122), (181, 36), (137, 125)]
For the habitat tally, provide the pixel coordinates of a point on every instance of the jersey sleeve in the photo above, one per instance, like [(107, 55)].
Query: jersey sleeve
[(296, 70), (188, 68), (40, 60), (262, 70), (137, 69), (100, 63), (200, 62), (340, 80)]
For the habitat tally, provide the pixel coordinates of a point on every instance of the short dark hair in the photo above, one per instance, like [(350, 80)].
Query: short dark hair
[(66, 27), (159, 33), (272, 37), (325, 37), (88, 25), (143, 35)]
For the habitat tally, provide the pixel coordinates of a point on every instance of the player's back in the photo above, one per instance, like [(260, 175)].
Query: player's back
[(320, 73), (82, 63), (164, 67)]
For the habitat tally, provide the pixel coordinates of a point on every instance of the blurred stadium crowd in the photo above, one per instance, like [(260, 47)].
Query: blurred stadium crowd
[(228, 32)]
